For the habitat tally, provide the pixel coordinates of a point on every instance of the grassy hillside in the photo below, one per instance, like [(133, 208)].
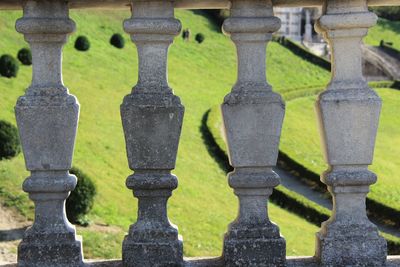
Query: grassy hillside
[(300, 140), (385, 30), (201, 75)]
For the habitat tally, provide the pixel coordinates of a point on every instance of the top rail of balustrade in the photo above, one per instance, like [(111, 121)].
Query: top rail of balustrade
[(190, 4)]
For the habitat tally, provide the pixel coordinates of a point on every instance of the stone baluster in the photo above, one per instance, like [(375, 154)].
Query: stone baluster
[(253, 116), (348, 115), (152, 119), (47, 117)]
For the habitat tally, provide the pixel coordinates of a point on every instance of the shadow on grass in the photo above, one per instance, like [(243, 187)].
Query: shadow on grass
[(286, 201), (213, 149), (211, 16), (390, 25)]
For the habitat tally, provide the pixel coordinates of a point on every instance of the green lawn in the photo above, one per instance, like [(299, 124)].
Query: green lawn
[(201, 75), (384, 30), (300, 140)]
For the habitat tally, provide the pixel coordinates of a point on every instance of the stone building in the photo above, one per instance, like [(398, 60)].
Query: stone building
[(291, 19), (298, 23)]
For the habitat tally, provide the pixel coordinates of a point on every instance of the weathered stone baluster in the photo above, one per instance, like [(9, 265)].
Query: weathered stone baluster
[(348, 114), (253, 116), (47, 118), (152, 119)]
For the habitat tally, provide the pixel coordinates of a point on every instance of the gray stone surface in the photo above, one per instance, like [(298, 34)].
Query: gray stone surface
[(191, 4), (348, 113), (292, 261), (253, 117), (47, 118), (152, 119)]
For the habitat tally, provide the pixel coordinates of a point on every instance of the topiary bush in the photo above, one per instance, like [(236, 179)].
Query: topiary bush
[(117, 40), (186, 34), (8, 66), (80, 201), (25, 56), (9, 140), (199, 38), (82, 43)]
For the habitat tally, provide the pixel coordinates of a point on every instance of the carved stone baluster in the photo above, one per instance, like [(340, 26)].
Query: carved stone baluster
[(348, 115), (47, 118), (152, 119), (253, 116)]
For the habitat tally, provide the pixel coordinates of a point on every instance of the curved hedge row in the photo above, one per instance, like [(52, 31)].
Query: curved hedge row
[(304, 53), (297, 203), (390, 49), (375, 209), (282, 196)]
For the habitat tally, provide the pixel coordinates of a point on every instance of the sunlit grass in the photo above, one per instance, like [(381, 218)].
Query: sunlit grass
[(201, 75), (301, 141)]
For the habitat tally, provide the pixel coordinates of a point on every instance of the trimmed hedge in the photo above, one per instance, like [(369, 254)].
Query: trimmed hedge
[(282, 196), (310, 91), (395, 85), (304, 53), (186, 34), (296, 169), (302, 92), (25, 56), (82, 43), (199, 38), (212, 143), (375, 209), (9, 140), (300, 205), (388, 48), (390, 13), (117, 40), (80, 201), (297, 203), (385, 84), (217, 15), (393, 245), (214, 124), (8, 66)]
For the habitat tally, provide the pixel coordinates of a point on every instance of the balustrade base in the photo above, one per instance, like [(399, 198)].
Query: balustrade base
[(293, 261), (44, 254), (164, 253), (255, 252), (351, 251)]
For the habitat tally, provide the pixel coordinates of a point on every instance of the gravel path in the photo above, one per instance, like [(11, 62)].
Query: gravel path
[(293, 183), (12, 227)]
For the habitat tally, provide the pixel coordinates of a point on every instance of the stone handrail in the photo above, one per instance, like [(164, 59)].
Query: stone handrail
[(190, 4), (47, 118)]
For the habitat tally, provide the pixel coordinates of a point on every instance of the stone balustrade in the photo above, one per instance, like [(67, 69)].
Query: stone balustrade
[(47, 118)]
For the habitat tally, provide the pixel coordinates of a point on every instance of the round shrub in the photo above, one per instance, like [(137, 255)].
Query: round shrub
[(9, 141), (80, 201), (8, 66), (117, 40), (186, 34), (199, 38), (25, 56), (82, 43)]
